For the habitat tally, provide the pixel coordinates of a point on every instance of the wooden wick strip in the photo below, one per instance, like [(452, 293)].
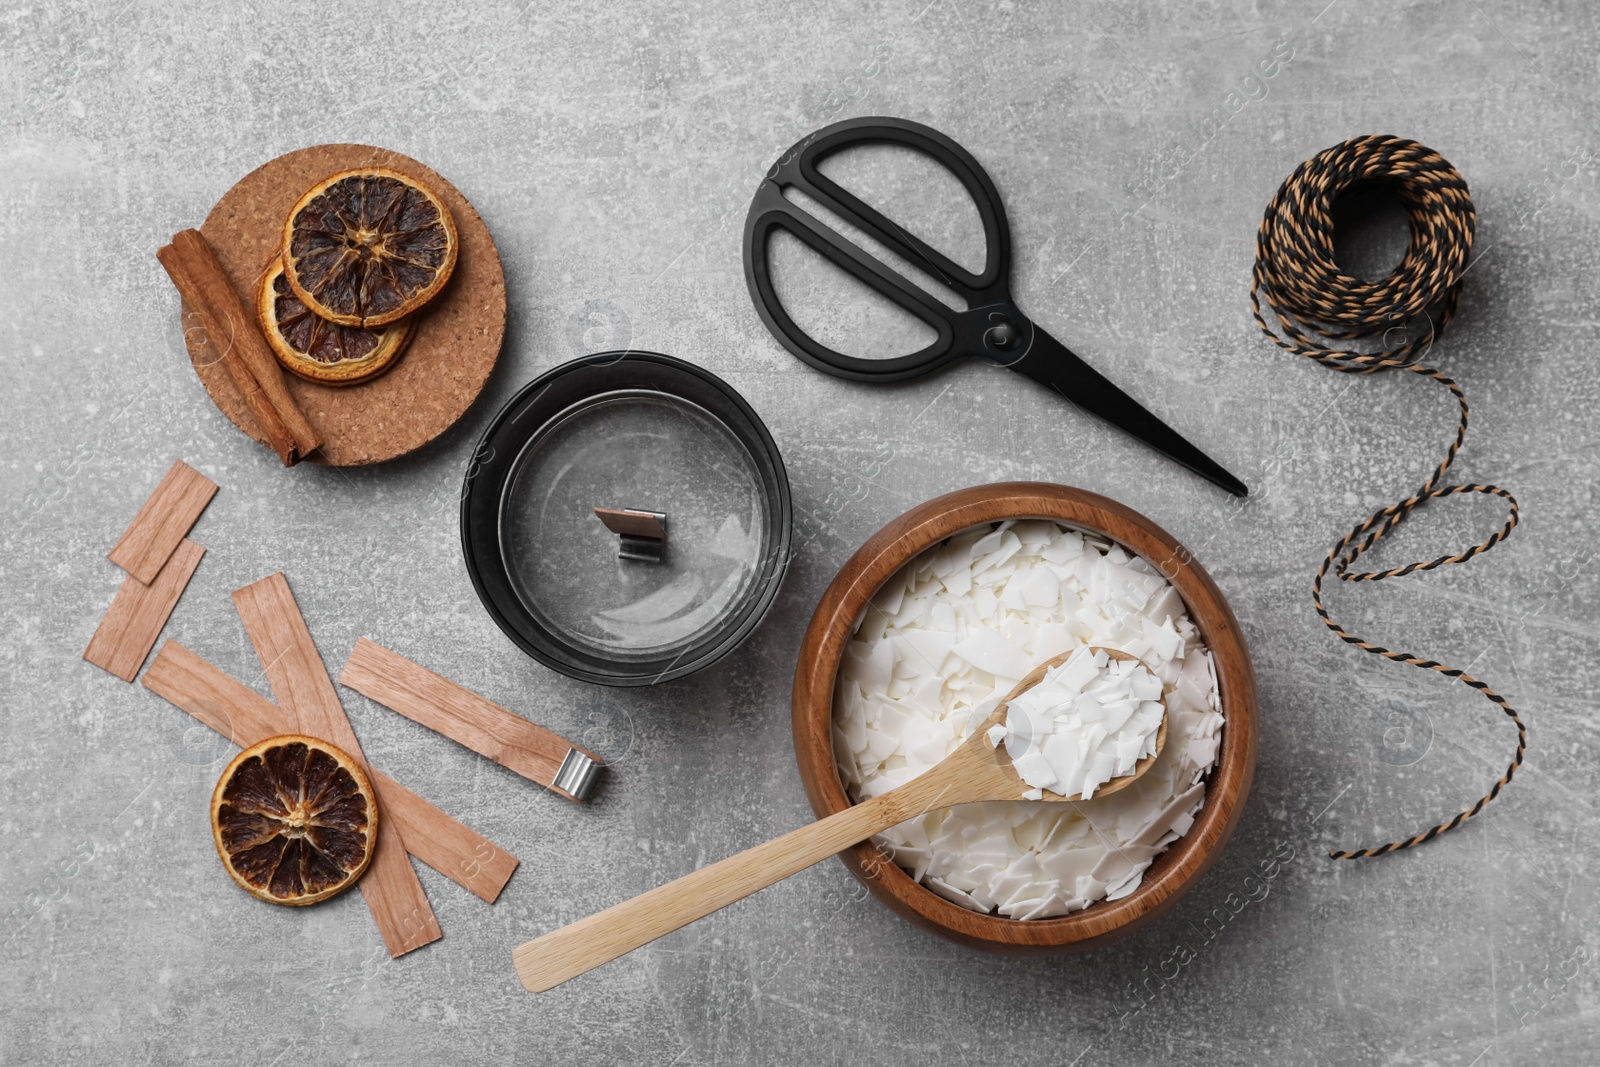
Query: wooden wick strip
[(232, 331), (300, 682), (138, 612), (162, 522), (245, 717), (436, 702)]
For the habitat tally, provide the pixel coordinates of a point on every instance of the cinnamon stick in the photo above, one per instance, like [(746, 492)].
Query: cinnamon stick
[(232, 331)]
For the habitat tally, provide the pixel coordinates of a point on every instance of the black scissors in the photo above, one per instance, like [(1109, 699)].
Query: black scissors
[(992, 326)]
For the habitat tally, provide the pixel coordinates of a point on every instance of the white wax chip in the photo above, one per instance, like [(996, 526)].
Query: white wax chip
[(1117, 865), (891, 719), (1072, 784), (1025, 898), (1050, 641), (1138, 647), (989, 542), (1011, 599), (1091, 575), (893, 593), (871, 626), (1090, 888), (1202, 750), (1044, 908), (1129, 748), (1020, 632), (1079, 670), (841, 746), (1116, 714), (1168, 815), (871, 666), (912, 859), (958, 582), (988, 651), (881, 745), (1010, 545), (1163, 638), (923, 652), (1117, 892), (928, 753), (1040, 589), (1061, 752), (1144, 686), (1193, 682), (1165, 604), (1034, 769), (855, 732), (1068, 546), (1035, 533), (1092, 735), (951, 893), (1067, 865), (912, 614), (1139, 585), (1103, 766), (923, 696)]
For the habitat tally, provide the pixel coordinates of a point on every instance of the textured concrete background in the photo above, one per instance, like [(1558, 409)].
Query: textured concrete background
[(612, 148)]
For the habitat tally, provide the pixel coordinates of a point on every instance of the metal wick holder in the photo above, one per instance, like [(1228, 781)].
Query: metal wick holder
[(643, 534), (576, 774)]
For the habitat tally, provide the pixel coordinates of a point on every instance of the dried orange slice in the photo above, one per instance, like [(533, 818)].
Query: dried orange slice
[(295, 820), (319, 350), (368, 247)]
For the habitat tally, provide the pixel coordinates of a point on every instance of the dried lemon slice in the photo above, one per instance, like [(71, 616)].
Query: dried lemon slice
[(319, 350), (295, 820), (368, 247)]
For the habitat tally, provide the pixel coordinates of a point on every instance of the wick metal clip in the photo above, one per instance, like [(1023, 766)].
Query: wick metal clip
[(643, 533)]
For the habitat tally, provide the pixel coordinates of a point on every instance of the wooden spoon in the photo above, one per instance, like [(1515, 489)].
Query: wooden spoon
[(976, 771)]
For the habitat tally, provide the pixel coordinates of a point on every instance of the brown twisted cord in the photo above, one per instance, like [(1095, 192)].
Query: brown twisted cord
[(1296, 275)]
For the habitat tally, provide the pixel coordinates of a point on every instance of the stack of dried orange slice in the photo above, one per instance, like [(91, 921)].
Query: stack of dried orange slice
[(363, 251)]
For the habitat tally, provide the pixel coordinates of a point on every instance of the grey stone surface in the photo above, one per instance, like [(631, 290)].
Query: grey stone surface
[(612, 148)]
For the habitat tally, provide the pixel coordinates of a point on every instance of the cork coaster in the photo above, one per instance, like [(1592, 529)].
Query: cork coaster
[(457, 340)]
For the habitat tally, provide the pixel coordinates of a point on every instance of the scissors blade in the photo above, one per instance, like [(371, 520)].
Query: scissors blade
[(1052, 363)]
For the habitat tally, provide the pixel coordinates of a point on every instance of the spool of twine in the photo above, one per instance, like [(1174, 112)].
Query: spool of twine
[(1318, 309)]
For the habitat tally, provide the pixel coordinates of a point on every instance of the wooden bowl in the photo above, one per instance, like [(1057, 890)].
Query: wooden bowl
[(1185, 860)]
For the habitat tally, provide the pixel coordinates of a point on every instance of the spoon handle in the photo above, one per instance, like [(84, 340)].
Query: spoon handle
[(547, 961)]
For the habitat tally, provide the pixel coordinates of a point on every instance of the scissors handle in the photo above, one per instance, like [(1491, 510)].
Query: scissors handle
[(1051, 363), (771, 211), (800, 169)]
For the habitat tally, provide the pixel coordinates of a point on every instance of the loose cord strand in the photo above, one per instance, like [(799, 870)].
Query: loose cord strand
[(1315, 303)]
